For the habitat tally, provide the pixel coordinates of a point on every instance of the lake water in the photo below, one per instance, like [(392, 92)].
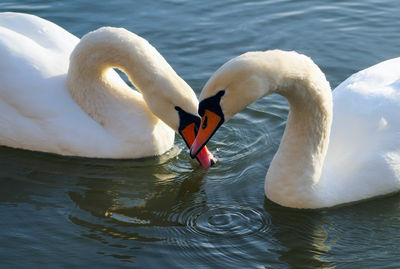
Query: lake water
[(167, 212)]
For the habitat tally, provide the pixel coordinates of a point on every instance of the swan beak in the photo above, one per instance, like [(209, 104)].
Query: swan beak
[(205, 157), (210, 122)]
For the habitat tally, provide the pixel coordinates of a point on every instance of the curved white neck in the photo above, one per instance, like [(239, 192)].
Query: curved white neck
[(295, 171), (100, 93)]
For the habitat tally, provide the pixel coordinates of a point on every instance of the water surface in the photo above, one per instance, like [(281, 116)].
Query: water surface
[(167, 212)]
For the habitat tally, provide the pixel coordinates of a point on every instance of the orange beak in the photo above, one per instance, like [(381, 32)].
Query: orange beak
[(204, 157), (210, 122)]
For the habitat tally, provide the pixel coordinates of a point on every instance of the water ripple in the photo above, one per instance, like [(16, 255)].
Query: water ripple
[(226, 221), (167, 211)]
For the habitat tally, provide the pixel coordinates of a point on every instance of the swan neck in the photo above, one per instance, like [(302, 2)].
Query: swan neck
[(95, 87), (108, 48), (295, 171)]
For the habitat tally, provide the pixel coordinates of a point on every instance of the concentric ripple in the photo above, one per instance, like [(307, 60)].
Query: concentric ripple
[(226, 221)]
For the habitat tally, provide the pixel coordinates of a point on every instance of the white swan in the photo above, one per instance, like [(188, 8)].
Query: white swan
[(97, 115), (315, 166)]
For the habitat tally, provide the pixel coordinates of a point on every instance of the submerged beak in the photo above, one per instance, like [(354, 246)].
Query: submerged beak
[(204, 157), (210, 122)]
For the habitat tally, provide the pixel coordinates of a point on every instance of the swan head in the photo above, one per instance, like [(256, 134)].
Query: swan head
[(176, 105), (234, 86), (188, 128)]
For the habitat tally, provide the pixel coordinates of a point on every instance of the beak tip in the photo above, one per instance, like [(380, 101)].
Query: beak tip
[(193, 150), (213, 161), (203, 155), (192, 155)]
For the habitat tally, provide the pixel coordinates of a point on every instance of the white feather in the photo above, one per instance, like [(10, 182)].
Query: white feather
[(37, 111), (335, 149)]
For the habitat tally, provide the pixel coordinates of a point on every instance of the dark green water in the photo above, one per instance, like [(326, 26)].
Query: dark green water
[(167, 212)]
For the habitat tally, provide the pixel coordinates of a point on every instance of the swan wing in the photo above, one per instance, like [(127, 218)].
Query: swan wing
[(364, 152), (36, 110)]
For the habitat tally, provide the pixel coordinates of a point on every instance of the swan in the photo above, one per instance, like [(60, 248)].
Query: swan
[(59, 94), (336, 148)]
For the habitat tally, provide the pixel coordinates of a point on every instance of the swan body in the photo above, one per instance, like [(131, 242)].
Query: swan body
[(336, 148), (61, 95)]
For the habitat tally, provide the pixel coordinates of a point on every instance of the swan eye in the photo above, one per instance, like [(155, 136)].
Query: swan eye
[(204, 125)]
